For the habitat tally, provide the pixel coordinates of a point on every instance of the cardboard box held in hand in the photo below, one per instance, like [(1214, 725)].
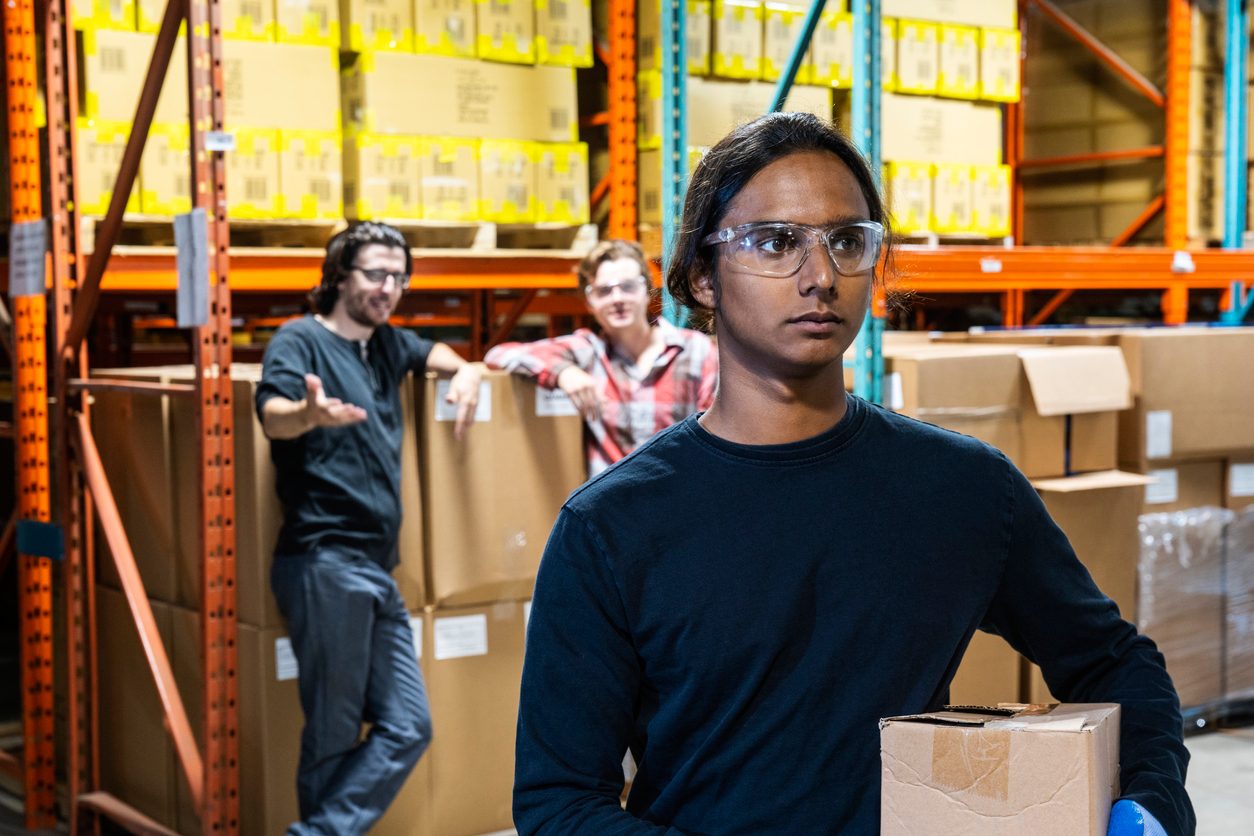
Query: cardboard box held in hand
[(1034, 769)]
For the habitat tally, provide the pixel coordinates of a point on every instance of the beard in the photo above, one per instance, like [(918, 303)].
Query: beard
[(362, 309)]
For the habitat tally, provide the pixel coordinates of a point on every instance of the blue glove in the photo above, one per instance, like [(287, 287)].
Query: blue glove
[(1127, 818)]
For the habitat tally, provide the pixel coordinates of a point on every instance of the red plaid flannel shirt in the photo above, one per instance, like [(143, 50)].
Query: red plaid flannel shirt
[(681, 381)]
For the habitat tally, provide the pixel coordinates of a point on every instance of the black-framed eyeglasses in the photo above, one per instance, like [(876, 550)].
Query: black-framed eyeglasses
[(380, 276), (773, 248), (630, 286)]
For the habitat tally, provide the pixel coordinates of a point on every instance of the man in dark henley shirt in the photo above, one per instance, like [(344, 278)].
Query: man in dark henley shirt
[(741, 600), (329, 401)]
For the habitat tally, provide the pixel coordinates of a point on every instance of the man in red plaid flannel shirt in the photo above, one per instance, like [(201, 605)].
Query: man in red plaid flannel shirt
[(629, 378)]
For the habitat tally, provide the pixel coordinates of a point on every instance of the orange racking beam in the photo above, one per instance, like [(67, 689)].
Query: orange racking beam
[(30, 375), (1179, 34), (1121, 68), (1149, 152), (622, 94), (1139, 222), (512, 316)]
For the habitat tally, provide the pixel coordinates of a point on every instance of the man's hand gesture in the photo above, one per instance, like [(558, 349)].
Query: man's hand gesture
[(463, 390), (321, 411), (581, 387)]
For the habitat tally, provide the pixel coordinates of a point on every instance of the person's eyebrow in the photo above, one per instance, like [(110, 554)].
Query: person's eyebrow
[(838, 220)]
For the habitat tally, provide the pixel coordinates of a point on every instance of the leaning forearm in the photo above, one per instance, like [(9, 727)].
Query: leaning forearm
[(445, 361), (283, 419)]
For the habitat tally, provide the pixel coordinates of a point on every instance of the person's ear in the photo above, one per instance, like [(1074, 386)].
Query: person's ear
[(703, 289)]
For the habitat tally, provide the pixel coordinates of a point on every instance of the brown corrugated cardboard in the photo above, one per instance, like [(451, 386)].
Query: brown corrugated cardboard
[(697, 14), (1239, 578), (1186, 407), (959, 67), (736, 41), (490, 501), (307, 22), (909, 190), (137, 761), (270, 722), (473, 99), (988, 675), (260, 78), (505, 31), (448, 178), (311, 174), (252, 174), (113, 65), (1239, 483), (952, 205), (1181, 485), (941, 130), (445, 27), (1003, 13), (781, 26), (381, 177), (1180, 600), (376, 25), (100, 148), (831, 50), (507, 181), (165, 170), (918, 57), (999, 65), (561, 171), (564, 33), (1051, 771), (472, 660), (990, 199)]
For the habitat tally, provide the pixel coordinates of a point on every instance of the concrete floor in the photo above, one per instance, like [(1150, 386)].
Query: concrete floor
[(1221, 781)]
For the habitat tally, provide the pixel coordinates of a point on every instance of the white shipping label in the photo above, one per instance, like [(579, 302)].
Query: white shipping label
[(1241, 479), (1158, 434), (896, 396), (554, 403), (461, 635), (1164, 489), (285, 666), (415, 626), (445, 411)]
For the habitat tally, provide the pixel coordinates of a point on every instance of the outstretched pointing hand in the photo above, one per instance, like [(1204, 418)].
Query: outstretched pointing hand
[(321, 411)]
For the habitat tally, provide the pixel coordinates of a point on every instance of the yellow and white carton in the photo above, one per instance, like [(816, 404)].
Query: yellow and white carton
[(165, 170), (507, 189), (311, 174), (448, 178), (831, 50), (959, 76), (990, 196), (737, 38), (381, 177), (104, 14), (312, 22), (561, 182), (252, 174), (999, 65), (697, 27), (888, 52), (909, 188), (918, 57), (445, 27), (564, 32), (386, 25), (247, 20), (100, 148), (782, 23), (506, 31), (951, 198)]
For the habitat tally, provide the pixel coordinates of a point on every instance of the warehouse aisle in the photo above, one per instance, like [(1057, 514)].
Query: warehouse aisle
[(1220, 777)]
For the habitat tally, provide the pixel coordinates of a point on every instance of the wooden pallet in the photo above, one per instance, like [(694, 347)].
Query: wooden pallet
[(158, 231), (936, 239), (487, 237)]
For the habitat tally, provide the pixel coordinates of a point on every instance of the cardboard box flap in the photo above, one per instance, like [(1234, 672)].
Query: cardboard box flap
[(1092, 481), (1075, 717), (1077, 379)]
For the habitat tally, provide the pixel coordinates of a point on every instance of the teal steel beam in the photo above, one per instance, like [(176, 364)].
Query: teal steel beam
[(868, 363), (797, 56), (1236, 152), (674, 138)]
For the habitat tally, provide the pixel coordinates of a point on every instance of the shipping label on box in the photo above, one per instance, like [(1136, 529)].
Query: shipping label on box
[(999, 65), (105, 14), (562, 182), (165, 170), (909, 187), (697, 30), (782, 25), (312, 22), (445, 27), (100, 147), (506, 31), (831, 50), (951, 198), (381, 177), (959, 67), (448, 176), (377, 24), (251, 20), (737, 38), (990, 193), (1049, 769), (114, 65), (564, 33), (507, 188), (918, 57), (252, 174), (259, 80), (311, 178)]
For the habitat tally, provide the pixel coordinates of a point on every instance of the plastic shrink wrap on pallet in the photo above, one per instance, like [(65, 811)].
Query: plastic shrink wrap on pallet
[(1239, 641)]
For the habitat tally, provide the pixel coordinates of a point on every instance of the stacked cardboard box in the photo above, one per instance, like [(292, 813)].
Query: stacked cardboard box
[(1239, 609)]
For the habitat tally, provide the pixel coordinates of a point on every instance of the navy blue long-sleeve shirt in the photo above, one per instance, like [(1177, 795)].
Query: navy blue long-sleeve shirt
[(741, 617)]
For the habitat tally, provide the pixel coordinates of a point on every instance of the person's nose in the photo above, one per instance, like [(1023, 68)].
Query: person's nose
[(818, 272)]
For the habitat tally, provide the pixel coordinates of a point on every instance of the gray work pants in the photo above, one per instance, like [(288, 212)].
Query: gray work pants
[(351, 637)]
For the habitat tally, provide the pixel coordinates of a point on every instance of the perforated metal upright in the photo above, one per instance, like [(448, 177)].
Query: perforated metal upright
[(867, 83), (1175, 303), (674, 137), (622, 111)]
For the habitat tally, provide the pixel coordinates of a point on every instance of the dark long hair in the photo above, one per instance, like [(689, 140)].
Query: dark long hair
[(732, 163), (342, 251)]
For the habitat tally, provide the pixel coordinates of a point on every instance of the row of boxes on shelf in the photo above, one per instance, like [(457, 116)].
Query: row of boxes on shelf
[(471, 658), (750, 39), (557, 32), (496, 142)]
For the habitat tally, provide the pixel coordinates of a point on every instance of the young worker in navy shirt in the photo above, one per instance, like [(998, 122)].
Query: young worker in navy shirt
[(329, 400), (743, 598)]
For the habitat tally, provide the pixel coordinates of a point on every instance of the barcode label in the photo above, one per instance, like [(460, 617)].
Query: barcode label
[(567, 194), (559, 119), (516, 194), (399, 191), (112, 59), (558, 9), (256, 188), (250, 10), (321, 189), (443, 168)]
